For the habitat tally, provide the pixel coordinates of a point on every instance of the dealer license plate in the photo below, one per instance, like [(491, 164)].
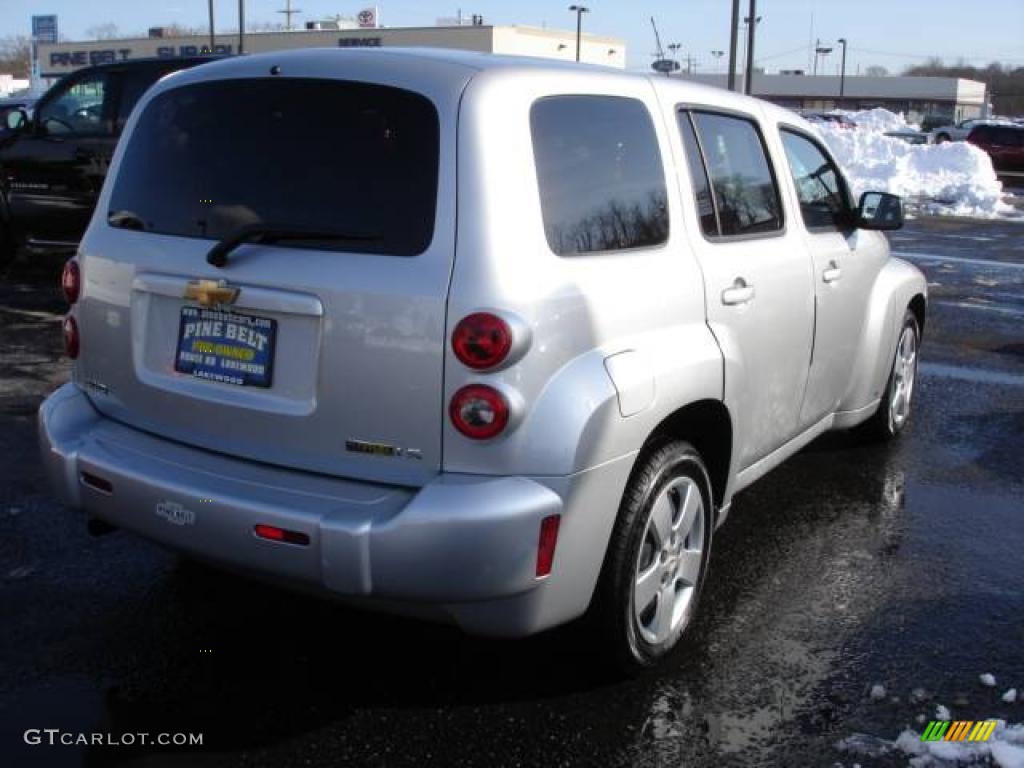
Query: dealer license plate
[(226, 347)]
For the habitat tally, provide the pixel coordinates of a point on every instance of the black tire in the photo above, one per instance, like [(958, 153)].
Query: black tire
[(942, 138), (883, 424), (662, 469)]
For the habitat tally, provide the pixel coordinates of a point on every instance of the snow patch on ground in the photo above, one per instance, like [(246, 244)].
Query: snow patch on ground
[(954, 178), (1005, 748), (987, 679)]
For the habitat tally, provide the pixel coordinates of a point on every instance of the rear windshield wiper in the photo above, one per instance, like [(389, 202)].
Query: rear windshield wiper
[(263, 234)]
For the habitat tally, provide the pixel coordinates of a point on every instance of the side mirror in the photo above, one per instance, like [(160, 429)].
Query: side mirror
[(879, 210), (17, 119)]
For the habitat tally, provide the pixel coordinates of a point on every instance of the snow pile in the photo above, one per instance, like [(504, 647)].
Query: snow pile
[(955, 178), (878, 120)]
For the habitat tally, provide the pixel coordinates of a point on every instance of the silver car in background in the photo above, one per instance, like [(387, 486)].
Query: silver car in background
[(484, 339)]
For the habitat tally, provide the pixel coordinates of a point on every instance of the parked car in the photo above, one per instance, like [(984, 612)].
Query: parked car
[(909, 136), (53, 160), (960, 131), (833, 118), (300, 362), (1003, 143)]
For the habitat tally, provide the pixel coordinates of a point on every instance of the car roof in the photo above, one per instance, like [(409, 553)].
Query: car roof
[(481, 63), (149, 61)]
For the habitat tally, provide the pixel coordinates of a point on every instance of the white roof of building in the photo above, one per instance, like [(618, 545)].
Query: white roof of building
[(952, 89)]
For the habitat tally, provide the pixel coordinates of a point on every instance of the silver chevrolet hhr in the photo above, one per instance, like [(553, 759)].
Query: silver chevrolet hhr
[(488, 339)]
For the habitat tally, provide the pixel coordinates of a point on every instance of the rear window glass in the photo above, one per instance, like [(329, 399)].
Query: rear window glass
[(602, 184), (320, 156)]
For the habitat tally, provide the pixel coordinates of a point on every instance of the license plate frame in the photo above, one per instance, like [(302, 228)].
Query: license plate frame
[(226, 347)]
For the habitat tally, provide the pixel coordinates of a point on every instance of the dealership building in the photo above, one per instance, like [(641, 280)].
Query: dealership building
[(914, 96), (60, 58)]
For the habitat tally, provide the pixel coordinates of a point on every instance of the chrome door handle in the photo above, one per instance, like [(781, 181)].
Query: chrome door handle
[(739, 293), (832, 274)]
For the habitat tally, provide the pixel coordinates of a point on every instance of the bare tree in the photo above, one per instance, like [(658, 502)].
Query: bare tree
[(876, 71), (16, 55)]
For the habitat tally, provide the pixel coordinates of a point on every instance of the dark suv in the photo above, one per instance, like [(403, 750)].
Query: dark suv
[(1003, 143), (52, 165)]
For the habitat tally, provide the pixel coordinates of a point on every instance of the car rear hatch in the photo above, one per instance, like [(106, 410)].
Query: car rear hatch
[(319, 343)]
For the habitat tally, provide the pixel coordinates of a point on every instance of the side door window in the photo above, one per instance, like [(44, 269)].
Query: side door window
[(744, 191), (81, 108), (820, 189)]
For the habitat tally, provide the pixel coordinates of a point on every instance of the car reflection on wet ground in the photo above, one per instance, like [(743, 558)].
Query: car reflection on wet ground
[(846, 568)]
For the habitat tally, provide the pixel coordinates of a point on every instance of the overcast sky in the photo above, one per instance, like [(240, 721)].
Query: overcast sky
[(892, 33)]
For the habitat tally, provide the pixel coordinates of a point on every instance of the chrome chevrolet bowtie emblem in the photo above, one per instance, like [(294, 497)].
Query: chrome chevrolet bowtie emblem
[(211, 293)]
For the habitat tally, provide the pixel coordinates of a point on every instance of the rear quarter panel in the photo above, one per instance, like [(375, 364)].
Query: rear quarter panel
[(645, 304)]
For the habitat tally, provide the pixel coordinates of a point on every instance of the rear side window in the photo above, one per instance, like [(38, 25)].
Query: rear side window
[(599, 170), (322, 156), (745, 192), (1008, 137)]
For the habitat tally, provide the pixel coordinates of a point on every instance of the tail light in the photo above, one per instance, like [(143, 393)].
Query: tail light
[(546, 544), (71, 339), (481, 340), (71, 281), (479, 412)]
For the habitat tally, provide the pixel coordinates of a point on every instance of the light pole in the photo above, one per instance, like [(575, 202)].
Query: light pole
[(820, 51), (580, 10), (718, 58), (241, 26), (842, 72), (211, 26), (746, 23)]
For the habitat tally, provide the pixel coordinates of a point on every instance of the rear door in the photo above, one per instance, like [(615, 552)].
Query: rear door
[(757, 277), (323, 354)]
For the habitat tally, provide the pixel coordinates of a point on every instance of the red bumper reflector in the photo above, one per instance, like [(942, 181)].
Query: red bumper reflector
[(273, 533), (546, 545)]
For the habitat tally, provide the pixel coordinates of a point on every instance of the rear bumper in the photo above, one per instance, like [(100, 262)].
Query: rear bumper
[(462, 546)]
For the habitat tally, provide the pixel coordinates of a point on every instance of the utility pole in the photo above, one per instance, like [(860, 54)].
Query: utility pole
[(288, 12), (211, 25), (842, 73), (241, 26), (748, 81), (732, 43), (580, 10)]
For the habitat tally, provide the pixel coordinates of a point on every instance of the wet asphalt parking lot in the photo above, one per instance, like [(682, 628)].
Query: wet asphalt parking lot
[(849, 566)]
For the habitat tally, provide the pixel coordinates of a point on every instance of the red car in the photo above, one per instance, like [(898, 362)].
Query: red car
[(1003, 143)]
